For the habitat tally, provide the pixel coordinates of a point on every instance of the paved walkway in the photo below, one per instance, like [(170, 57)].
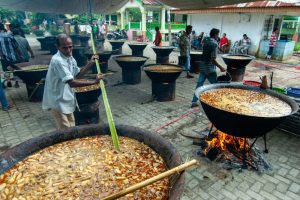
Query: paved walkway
[(130, 105)]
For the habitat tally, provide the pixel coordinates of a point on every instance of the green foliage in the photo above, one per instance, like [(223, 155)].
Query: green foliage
[(135, 14), (85, 19), (11, 15), (38, 33), (297, 47), (54, 30), (37, 18), (26, 29)]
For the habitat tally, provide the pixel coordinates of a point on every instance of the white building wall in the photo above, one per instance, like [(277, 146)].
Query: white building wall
[(233, 24)]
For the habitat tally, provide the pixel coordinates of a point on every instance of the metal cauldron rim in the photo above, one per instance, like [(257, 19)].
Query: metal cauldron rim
[(149, 65), (291, 102), (227, 56), (137, 43), (121, 56), (18, 153)]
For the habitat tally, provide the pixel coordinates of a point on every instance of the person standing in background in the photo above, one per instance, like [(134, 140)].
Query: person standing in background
[(185, 49), (158, 37), (209, 62), (3, 99), (272, 44), (200, 38), (224, 43), (23, 46)]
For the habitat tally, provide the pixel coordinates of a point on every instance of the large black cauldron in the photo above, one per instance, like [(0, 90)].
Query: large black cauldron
[(104, 56), (163, 82), (84, 40), (75, 39), (31, 76), (162, 54), (88, 96), (137, 48), (164, 148), (236, 65), (42, 41), (50, 45), (231, 61), (78, 53), (243, 125), (131, 68), (117, 45)]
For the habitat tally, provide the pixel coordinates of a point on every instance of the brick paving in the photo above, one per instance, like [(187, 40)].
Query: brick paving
[(131, 105)]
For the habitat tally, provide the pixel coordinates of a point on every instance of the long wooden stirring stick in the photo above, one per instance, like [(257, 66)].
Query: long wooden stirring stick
[(110, 119), (147, 182)]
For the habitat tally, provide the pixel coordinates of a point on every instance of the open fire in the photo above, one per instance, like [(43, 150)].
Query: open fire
[(233, 152)]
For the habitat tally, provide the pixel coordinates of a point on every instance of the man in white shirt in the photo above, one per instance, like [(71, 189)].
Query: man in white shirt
[(59, 96)]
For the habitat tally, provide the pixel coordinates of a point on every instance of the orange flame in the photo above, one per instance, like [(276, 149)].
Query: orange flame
[(225, 141)]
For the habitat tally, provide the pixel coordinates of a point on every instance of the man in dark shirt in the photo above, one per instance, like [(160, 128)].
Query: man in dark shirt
[(9, 49), (209, 62)]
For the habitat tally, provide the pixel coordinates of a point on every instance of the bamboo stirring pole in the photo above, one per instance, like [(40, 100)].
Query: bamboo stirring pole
[(149, 181), (110, 119)]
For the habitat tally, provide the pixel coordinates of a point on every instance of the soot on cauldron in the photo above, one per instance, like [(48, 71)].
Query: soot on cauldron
[(88, 102), (131, 68), (236, 65), (162, 54), (163, 80), (137, 48)]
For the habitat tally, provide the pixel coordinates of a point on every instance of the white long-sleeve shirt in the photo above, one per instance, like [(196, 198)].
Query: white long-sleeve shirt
[(58, 95)]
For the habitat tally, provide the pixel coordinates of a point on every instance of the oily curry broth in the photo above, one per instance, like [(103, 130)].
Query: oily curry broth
[(35, 67), (163, 69), (85, 168), (239, 57), (246, 102), (87, 88)]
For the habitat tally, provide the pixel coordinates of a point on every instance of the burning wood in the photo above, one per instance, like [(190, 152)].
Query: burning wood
[(235, 152)]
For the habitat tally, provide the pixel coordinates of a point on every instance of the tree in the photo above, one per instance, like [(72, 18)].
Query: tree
[(85, 18), (135, 14), (12, 16)]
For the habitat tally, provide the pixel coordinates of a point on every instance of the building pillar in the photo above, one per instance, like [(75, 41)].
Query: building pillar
[(189, 20), (144, 28), (127, 17), (109, 19), (163, 19), (169, 27), (122, 19)]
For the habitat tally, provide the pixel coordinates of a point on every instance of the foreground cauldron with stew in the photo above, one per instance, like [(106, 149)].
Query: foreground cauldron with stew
[(241, 125), (168, 153)]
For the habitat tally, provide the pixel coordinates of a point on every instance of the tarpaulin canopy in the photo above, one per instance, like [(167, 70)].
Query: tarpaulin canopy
[(102, 6), (64, 6)]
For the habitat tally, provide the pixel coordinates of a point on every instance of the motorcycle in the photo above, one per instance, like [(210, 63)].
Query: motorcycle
[(117, 35)]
